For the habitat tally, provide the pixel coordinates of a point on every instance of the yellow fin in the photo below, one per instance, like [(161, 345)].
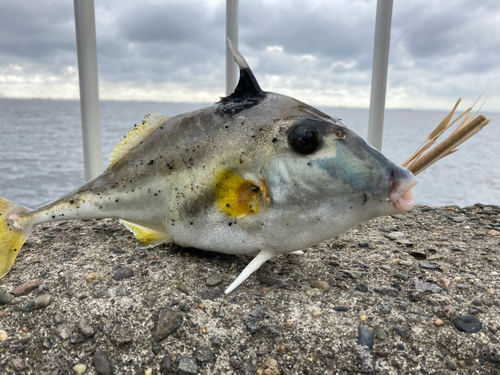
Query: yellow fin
[(11, 237), (146, 237), (135, 135), (238, 197)]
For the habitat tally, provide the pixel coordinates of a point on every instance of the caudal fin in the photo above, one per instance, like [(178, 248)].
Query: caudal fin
[(12, 236)]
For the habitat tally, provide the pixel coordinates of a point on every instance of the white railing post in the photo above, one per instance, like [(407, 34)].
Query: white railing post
[(232, 72), (379, 72), (89, 86)]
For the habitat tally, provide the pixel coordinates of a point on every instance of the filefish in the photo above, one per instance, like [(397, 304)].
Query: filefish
[(255, 173)]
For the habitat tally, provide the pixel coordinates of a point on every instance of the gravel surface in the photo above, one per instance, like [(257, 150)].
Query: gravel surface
[(413, 293)]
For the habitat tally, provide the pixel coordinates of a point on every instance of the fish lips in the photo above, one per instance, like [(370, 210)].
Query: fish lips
[(400, 189)]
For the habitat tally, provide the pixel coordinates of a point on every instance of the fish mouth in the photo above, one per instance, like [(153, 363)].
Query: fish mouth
[(400, 191)]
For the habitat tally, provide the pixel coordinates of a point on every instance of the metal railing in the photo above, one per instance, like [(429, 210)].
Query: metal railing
[(89, 86)]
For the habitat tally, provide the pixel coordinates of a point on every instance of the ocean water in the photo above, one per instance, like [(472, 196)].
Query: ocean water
[(41, 155)]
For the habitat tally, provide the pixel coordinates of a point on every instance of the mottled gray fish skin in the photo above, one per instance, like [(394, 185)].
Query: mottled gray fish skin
[(257, 172)]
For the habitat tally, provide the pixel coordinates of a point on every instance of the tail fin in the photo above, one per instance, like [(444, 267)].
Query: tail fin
[(11, 237)]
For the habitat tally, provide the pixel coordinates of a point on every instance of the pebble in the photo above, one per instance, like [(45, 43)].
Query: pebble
[(395, 235), (26, 288), (187, 367), (169, 321), (85, 327), (401, 330), (5, 297), (166, 365), (204, 354), (92, 277), (250, 319), (101, 363), (79, 369), (438, 322), (401, 276), (361, 288), (353, 274), (381, 334), (387, 291), (120, 336), (422, 286), (365, 337), (38, 303), (321, 285), (149, 371), (366, 359), (468, 324), (123, 291), (213, 280), (3, 336), (268, 280), (180, 286), (341, 308), (18, 364), (270, 367), (123, 273), (385, 308), (446, 282), (429, 266), (493, 232)]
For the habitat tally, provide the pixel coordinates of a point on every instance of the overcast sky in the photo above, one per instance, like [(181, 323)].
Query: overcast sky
[(318, 51)]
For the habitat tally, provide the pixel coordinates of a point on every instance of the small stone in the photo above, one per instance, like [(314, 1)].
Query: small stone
[(101, 363), (249, 367), (387, 291), (385, 308), (429, 266), (422, 286), (149, 371), (268, 280), (399, 216), (450, 313), (5, 297), (438, 322), (341, 308), (120, 336), (187, 367), (213, 280), (64, 332), (85, 327), (26, 288), (250, 319), (353, 274), (365, 337), (92, 277), (18, 364), (446, 282), (401, 276), (270, 367), (3, 336), (204, 354), (401, 330), (395, 235), (166, 365), (123, 291), (493, 232), (38, 303), (180, 286), (381, 334), (321, 285), (169, 321), (79, 369), (363, 288), (362, 318), (468, 324), (123, 273), (319, 313), (366, 359), (58, 318), (458, 219)]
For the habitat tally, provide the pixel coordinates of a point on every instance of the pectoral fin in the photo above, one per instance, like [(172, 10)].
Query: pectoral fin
[(253, 266), (146, 237)]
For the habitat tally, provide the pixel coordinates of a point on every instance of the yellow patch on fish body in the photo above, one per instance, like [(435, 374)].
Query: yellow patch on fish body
[(238, 197)]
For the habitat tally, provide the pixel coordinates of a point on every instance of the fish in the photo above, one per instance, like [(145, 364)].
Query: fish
[(255, 173)]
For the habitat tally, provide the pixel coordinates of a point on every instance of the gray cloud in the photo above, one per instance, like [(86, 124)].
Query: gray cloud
[(319, 51)]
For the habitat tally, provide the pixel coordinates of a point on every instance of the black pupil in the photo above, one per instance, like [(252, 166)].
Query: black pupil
[(304, 139)]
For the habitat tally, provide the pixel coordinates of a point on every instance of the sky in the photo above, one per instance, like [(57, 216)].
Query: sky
[(318, 51)]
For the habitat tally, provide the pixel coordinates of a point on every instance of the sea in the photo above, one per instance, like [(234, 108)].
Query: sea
[(41, 154)]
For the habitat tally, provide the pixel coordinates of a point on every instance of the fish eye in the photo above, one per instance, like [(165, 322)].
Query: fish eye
[(304, 138)]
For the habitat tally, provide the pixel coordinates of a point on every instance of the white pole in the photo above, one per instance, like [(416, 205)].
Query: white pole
[(89, 86), (232, 72), (379, 72)]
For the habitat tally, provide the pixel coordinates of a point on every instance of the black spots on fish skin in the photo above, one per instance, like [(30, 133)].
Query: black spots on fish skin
[(151, 162), (365, 198), (170, 166), (71, 201), (274, 140)]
